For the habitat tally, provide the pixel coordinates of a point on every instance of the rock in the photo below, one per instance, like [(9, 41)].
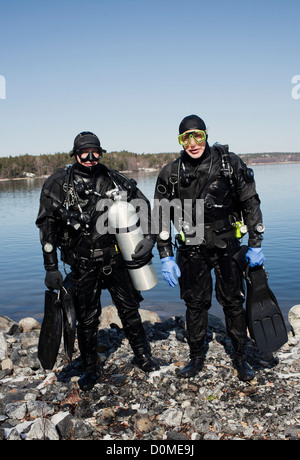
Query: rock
[(58, 417), (142, 423), (38, 409), (211, 437), (30, 339), (7, 364), (42, 429), (17, 432), (8, 326), (49, 380), (71, 428), (3, 347), (175, 436), (29, 324), (4, 373), (109, 315), (106, 416), (128, 404), (149, 317), (16, 410), (13, 435), (171, 417), (202, 424), (294, 319)]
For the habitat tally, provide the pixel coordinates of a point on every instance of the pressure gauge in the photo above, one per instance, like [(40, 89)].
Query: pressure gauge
[(48, 247), (164, 235)]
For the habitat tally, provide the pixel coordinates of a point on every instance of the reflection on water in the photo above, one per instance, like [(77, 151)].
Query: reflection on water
[(21, 264)]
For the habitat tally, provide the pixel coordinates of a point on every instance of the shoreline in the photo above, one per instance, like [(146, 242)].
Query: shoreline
[(150, 171)]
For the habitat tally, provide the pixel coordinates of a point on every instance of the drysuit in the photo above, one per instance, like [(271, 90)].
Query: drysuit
[(227, 186), (68, 219)]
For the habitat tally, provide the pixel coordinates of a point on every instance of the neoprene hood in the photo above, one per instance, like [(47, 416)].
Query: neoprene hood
[(84, 140), (191, 122)]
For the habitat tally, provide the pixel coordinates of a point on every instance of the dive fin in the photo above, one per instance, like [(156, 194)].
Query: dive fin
[(51, 330), (265, 322), (69, 324)]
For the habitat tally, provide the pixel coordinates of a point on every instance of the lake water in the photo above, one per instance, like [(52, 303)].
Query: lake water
[(21, 264)]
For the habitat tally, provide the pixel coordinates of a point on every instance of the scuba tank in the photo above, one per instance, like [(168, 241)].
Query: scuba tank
[(123, 218)]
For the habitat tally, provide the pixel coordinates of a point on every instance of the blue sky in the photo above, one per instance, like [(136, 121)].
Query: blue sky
[(130, 70)]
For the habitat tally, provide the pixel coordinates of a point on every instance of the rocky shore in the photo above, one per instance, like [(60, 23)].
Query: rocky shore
[(129, 405)]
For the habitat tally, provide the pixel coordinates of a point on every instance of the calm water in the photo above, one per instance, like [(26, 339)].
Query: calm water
[(21, 264)]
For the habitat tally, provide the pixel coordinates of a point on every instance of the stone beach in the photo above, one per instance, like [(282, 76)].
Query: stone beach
[(129, 405)]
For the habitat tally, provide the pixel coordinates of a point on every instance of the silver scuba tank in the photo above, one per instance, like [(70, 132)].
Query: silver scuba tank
[(123, 217)]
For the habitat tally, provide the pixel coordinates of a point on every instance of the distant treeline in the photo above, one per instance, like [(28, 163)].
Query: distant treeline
[(265, 158), (44, 165)]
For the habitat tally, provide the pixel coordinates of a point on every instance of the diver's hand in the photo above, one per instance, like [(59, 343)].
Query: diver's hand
[(255, 256), (170, 270), (53, 279), (143, 250)]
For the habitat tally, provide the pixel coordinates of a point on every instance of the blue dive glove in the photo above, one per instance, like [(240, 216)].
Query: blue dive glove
[(169, 266), (255, 256)]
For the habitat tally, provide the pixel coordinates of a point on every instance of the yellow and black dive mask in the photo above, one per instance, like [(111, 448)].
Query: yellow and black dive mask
[(198, 135)]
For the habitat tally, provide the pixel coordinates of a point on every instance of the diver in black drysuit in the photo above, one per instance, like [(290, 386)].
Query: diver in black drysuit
[(70, 206), (229, 194)]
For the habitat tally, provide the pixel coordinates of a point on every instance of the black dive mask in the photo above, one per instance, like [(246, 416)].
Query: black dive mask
[(90, 157)]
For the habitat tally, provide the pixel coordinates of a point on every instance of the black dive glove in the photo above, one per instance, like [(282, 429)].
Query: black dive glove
[(53, 279), (142, 252)]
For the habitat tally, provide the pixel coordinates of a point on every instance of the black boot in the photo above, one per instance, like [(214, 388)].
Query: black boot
[(87, 340), (135, 333), (145, 362), (193, 367), (89, 379), (245, 371)]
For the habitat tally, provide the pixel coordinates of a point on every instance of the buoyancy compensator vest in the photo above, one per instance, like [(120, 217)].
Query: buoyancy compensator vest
[(233, 223)]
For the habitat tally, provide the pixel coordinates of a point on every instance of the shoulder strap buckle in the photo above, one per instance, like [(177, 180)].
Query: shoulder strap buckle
[(174, 176)]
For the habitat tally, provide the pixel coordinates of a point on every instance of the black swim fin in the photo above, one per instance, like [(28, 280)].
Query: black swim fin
[(51, 330), (265, 322), (69, 323)]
